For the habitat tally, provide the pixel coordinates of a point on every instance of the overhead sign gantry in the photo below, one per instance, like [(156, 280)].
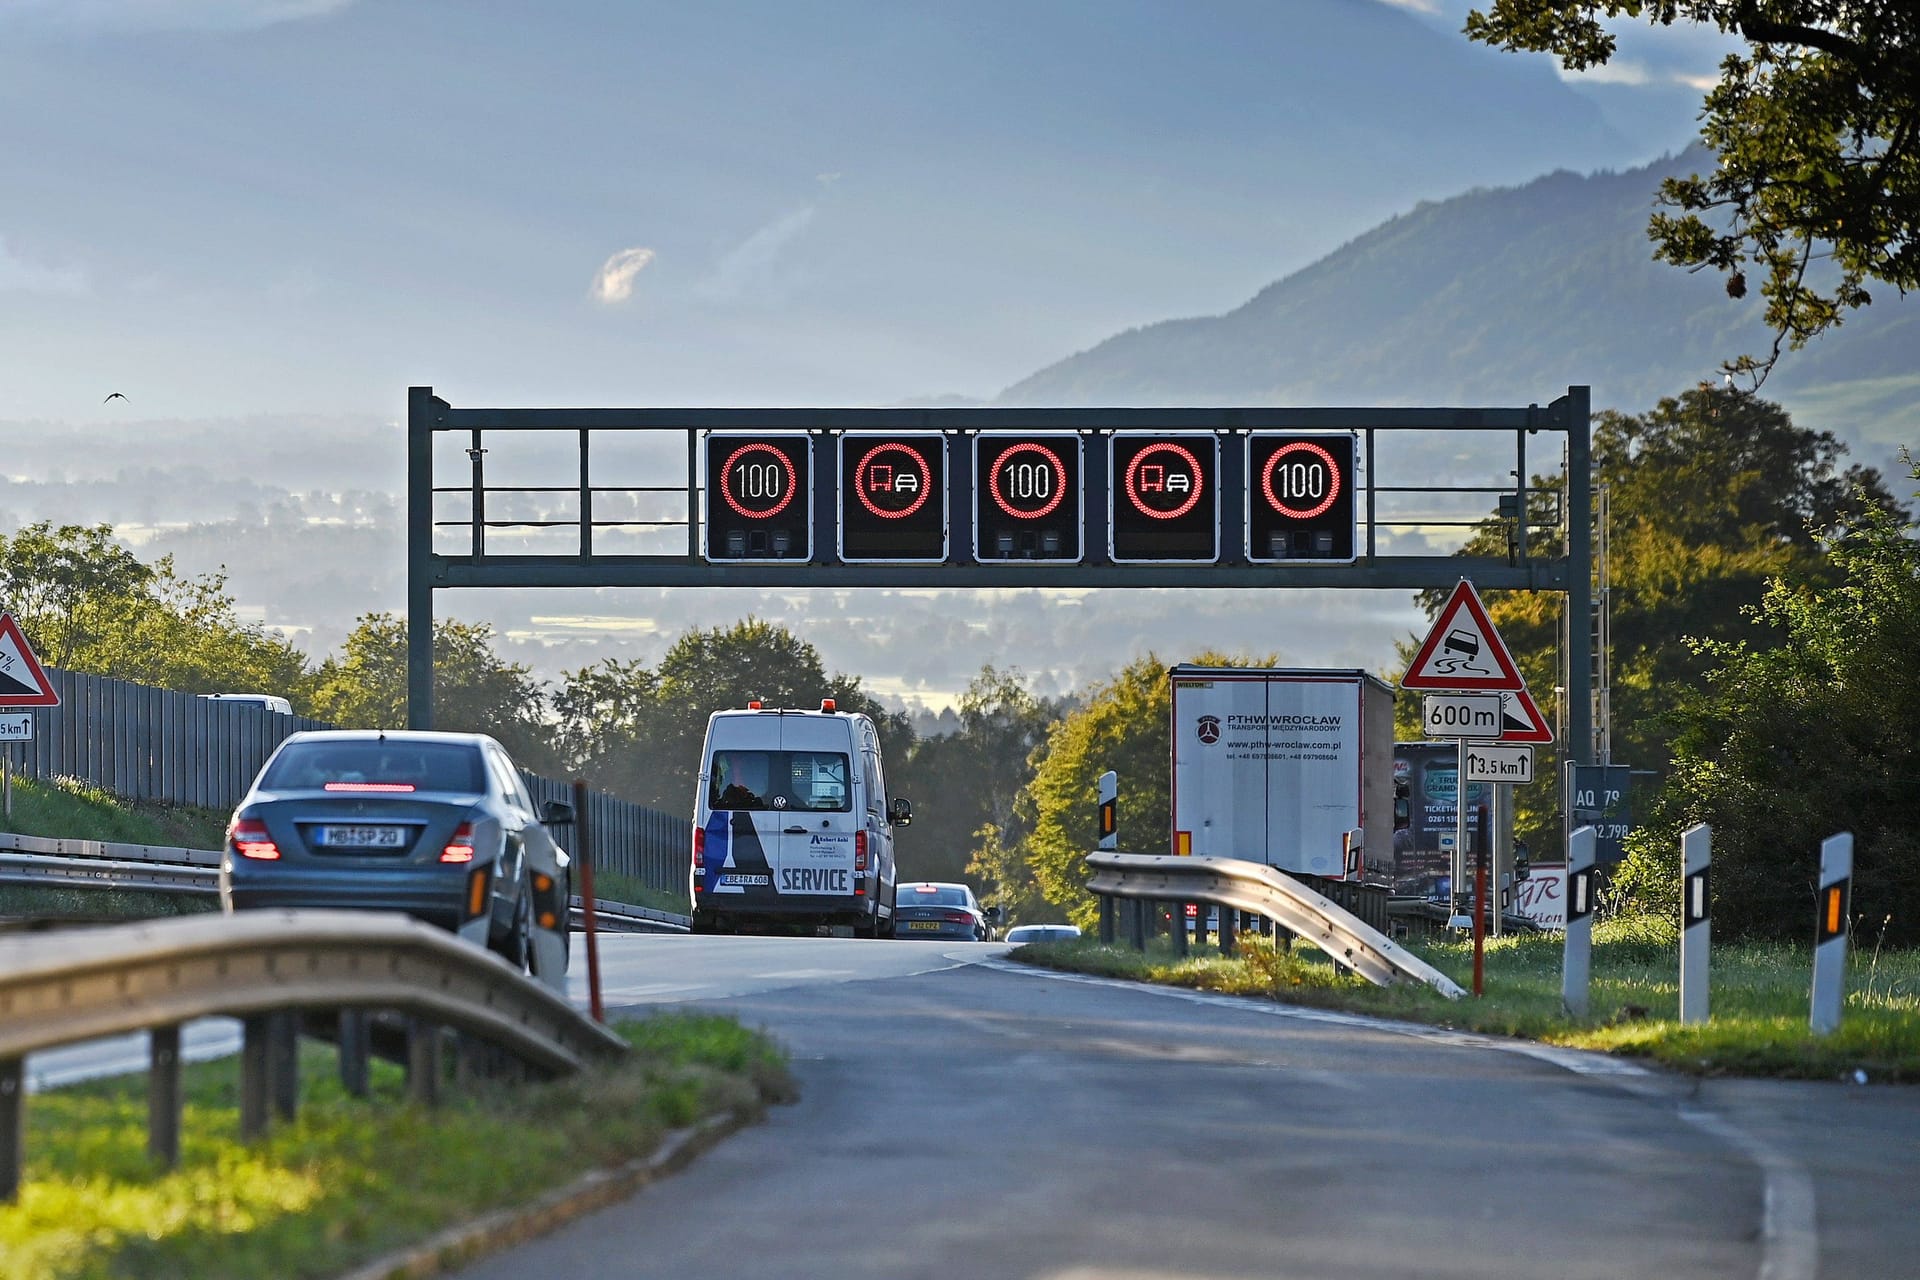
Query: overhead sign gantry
[(1239, 498)]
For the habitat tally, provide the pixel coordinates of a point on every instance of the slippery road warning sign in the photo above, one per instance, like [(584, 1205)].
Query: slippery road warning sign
[(22, 682), (1463, 651)]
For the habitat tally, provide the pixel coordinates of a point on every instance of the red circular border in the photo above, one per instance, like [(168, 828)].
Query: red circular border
[(860, 480), (1060, 474), (1266, 480), (726, 491), (1193, 464)]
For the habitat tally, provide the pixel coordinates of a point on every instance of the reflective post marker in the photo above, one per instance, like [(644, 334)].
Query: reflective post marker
[(1109, 828), (1577, 962), (1696, 925), (1830, 932)]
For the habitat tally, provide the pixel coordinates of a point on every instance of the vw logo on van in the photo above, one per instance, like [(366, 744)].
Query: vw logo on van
[(1209, 729)]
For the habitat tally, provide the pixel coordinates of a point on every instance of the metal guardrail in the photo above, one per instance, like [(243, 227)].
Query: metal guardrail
[(98, 864), (266, 967), (1255, 887)]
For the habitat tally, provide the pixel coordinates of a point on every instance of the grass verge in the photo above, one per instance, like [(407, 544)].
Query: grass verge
[(615, 887), (1759, 997), (69, 809), (350, 1180)]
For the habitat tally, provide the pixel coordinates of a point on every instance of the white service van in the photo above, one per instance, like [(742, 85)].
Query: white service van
[(791, 823)]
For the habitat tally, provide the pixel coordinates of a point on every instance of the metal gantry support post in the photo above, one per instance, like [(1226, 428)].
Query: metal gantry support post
[(1830, 933), (1696, 931), (1576, 966), (423, 409)]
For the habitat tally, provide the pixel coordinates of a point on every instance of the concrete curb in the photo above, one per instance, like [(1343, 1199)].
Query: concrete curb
[(504, 1228)]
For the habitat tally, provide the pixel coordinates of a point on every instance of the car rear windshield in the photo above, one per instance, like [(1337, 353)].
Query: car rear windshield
[(376, 765), (923, 895), (814, 781)]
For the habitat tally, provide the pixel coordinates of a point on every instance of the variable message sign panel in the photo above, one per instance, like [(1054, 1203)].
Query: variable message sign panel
[(1163, 494), (893, 498), (1027, 498), (1300, 497), (759, 503)]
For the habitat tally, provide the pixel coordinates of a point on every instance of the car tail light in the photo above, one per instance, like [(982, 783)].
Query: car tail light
[(959, 917), (249, 839), (859, 851), (460, 848)]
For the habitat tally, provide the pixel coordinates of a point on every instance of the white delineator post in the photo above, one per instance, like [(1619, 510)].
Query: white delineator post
[(1576, 965), (1109, 838), (1696, 924), (1830, 932)]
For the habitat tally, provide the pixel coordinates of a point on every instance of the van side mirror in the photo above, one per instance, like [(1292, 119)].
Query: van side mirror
[(555, 813), (900, 812), (995, 915)]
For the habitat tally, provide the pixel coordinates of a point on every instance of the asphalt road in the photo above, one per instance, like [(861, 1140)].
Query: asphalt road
[(959, 1117)]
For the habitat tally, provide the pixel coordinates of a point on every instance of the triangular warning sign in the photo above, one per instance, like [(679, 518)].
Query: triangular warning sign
[(1520, 718), (22, 682), (1463, 651)]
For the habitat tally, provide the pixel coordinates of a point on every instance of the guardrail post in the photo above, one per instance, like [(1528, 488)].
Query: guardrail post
[(254, 1071), (1137, 924), (13, 1127), (164, 1096), (355, 1038), (1576, 964), (283, 1068), (1177, 927), (1228, 945), (1696, 927), (1830, 933), (423, 1060)]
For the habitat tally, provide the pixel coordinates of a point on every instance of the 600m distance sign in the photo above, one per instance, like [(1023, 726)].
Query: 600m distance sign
[(893, 497), (759, 497), (1026, 498)]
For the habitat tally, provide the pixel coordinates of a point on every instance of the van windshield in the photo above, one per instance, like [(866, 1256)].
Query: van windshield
[(810, 781)]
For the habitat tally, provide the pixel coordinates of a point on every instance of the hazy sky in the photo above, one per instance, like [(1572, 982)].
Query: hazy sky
[(231, 206), (286, 212)]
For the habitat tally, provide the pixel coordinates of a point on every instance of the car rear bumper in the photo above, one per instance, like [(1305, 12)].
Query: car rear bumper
[(435, 894)]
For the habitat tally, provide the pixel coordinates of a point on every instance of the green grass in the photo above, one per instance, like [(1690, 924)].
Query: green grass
[(1758, 997), (350, 1179), (69, 809)]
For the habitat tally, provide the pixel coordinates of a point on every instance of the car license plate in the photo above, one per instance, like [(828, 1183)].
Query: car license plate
[(923, 924), (362, 837)]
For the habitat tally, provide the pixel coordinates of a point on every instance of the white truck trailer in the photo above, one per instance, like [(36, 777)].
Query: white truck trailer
[(1277, 765)]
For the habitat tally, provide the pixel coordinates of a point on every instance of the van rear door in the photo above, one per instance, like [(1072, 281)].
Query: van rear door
[(815, 800)]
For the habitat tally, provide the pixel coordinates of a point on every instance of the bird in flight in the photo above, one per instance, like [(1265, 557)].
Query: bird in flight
[(115, 396)]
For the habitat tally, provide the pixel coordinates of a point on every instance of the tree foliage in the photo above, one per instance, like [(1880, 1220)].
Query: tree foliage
[(964, 785), (1817, 128), (1785, 743), (474, 689), (636, 731), (1711, 494), (1122, 725)]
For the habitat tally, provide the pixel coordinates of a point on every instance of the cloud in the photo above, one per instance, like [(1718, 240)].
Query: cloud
[(614, 283), (749, 266), (162, 15), (1418, 6), (19, 276)]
